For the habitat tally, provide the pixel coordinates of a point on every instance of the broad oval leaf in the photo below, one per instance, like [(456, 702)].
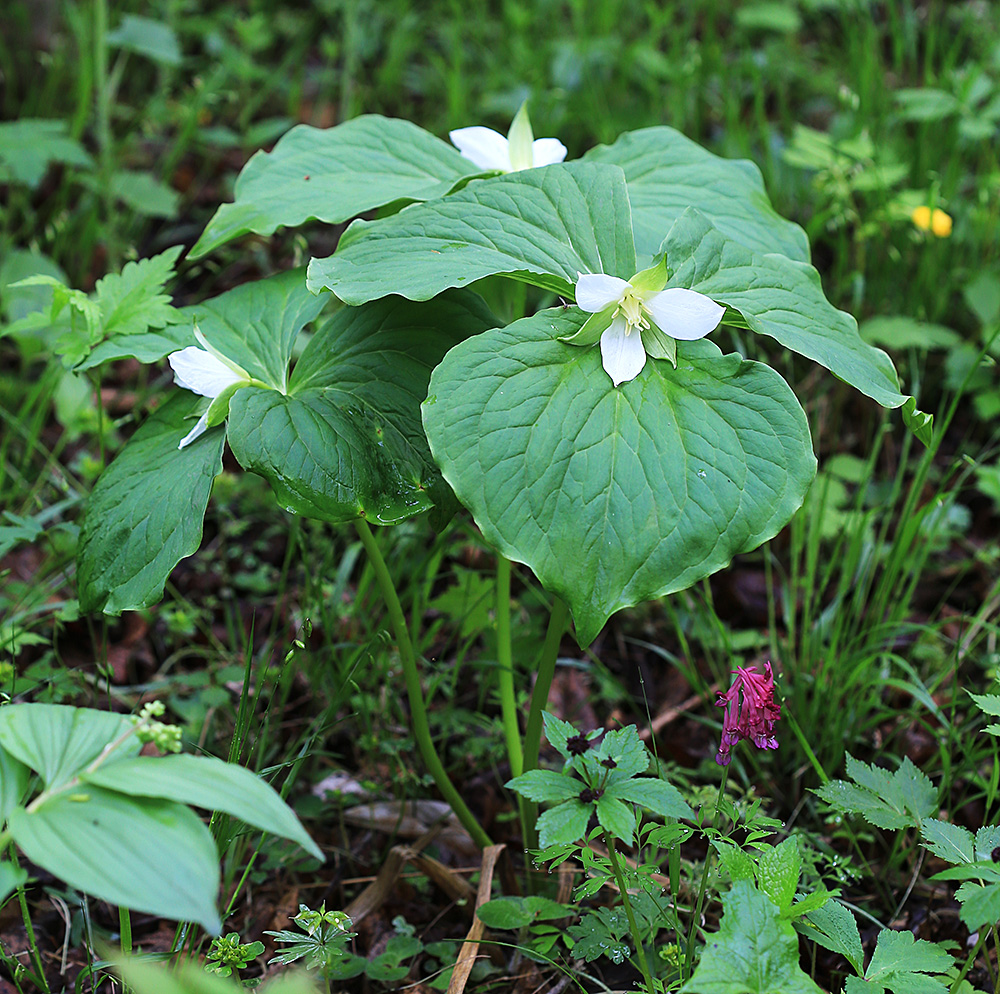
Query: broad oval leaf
[(542, 226), (206, 783), (613, 496), (334, 174), (667, 173), (781, 298), (58, 740), (146, 512), (256, 324), (150, 855), (347, 441)]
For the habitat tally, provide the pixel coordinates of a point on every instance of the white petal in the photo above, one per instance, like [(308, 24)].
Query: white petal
[(622, 355), (198, 430), (594, 291), (684, 314), (487, 148), (545, 151), (198, 370)]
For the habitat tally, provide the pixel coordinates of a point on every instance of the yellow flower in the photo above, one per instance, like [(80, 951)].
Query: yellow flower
[(936, 221)]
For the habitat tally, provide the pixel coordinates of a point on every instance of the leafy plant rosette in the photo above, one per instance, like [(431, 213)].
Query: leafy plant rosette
[(415, 393)]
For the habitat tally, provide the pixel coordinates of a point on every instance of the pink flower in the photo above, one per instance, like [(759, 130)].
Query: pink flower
[(752, 716)]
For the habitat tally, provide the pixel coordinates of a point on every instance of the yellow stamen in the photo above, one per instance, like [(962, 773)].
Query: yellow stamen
[(630, 306)]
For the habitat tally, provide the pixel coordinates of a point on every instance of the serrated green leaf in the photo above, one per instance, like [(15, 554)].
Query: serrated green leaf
[(987, 839), (29, 145), (666, 173), (778, 869), (900, 963), (734, 861), (558, 733), (628, 752), (980, 904), (154, 856), (145, 514), (614, 496), (658, 796), (516, 912), (545, 785), (346, 441), (336, 174), (987, 703), (951, 842), (565, 822), (780, 298), (543, 226), (833, 927), (754, 951), (616, 818), (890, 800), (57, 740), (206, 783), (131, 303)]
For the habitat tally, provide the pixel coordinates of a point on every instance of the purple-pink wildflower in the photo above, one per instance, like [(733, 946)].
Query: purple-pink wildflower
[(751, 711)]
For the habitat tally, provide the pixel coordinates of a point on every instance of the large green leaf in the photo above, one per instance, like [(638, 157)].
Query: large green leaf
[(346, 441), (543, 226), (151, 855), (335, 174), (206, 783), (754, 951), (11, 877), (145, 513), (667, 173), (781, 298), (14, 776), (613, 496), (58, 741), (257, 323)]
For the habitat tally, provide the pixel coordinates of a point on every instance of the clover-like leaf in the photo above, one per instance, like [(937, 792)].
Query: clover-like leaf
[(615, 495)]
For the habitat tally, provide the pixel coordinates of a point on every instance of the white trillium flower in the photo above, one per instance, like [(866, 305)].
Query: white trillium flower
[(488, 149), (638, 316), (207, 372)]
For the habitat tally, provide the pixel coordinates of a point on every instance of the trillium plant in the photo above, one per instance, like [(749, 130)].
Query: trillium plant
[(621, 435)]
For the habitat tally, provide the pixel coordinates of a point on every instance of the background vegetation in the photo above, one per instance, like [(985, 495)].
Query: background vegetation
[(123, 127)]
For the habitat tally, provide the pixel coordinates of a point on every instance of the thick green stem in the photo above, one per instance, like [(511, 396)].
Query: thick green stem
[(505, 676), (105, 158), (640, 950), (418, 713), (125, 928), (700, 903), (543, 682)]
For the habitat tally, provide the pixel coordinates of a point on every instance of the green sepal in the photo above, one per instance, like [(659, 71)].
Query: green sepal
[(520, 139), (651, 280), (218, 410), (658, 345), (591, 330)]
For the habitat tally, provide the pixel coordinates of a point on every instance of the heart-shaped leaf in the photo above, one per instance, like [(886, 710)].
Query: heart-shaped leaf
[(779, 297), (347, 441), (543, 226), (146, 511), (667, 173), (335, 174), (615, 495)]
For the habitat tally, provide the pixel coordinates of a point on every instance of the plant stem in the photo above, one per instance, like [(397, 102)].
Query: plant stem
[(505, 659), (640, 950), (418, 712), (125, 929), (700, 903), (22, 900), (103, 129), (543, 682)]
